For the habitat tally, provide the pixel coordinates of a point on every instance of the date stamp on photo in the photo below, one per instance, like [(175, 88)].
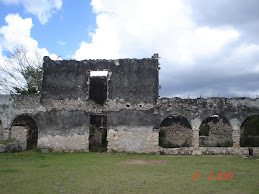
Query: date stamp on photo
[(219, 176)]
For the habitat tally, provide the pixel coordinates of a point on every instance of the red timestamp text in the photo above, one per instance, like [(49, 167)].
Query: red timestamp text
[(219, 176)]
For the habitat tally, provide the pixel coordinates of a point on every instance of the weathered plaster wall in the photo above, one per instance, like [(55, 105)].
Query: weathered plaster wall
[(64, 130), (130, 139), (132, 131)]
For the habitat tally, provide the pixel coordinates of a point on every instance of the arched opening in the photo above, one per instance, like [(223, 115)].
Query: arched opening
[(215, 131), (1, 131), (24, 128), (175, 131), (250, 132)]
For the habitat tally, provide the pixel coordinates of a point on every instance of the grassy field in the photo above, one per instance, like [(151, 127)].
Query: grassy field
[(34, 172)]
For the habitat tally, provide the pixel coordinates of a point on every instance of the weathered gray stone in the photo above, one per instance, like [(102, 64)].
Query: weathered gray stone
[(16, 146), (134, 112), (45, 150)]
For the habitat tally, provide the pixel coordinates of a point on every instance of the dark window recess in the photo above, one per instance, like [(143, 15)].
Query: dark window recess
[(204, 130), (98, 89), (250, 132), (98, 133)]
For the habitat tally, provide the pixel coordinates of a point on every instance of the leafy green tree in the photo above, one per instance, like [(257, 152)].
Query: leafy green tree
[(22, 72)]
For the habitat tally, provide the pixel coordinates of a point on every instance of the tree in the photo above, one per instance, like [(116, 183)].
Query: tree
[(22, 72)]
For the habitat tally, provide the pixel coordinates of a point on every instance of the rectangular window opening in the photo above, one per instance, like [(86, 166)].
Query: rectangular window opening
[(98, 86)]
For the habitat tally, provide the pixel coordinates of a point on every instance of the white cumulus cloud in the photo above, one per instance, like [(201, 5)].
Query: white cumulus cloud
[(138, 28), (17, 31), (196, 57), (43, 9)]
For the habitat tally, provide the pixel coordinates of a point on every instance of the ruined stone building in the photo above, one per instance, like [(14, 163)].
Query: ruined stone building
[(113, 105)]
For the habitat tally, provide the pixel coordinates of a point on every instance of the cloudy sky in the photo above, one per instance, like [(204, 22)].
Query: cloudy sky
[(207, 48)]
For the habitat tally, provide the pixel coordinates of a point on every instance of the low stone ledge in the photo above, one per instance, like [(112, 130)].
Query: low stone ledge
[(207, 151), (176, 151), (246, 152)]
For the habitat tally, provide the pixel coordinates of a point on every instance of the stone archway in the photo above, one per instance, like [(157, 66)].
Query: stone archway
[(175, 131), (215, 131), (24, 128), (249, 136)]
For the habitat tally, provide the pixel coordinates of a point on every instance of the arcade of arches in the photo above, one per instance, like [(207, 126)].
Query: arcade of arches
[(215, 131)]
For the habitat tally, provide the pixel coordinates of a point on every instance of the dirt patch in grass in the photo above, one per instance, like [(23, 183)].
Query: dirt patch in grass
[(143, 161), (8, 165)]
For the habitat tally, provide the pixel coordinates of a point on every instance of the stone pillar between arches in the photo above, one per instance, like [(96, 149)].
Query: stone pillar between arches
[(235, 123), (195, 132)]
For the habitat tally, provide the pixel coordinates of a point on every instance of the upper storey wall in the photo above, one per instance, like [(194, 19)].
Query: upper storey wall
[(130, 80)]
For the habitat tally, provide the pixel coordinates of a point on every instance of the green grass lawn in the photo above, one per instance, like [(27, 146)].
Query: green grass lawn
[(34, 172)]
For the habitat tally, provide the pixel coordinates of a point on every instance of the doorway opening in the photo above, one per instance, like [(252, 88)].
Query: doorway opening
[(24, 128), (98, 133)]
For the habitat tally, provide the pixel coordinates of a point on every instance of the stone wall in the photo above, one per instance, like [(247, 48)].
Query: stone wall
[(19, 133), (139, 139)]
